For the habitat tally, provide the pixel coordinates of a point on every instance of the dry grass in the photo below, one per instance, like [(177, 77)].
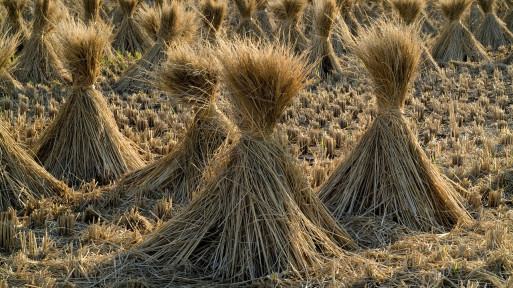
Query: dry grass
[(192, 79), (455, 42), (388, 174), (492, 31), (288, 13), (83, 141), (40, 61), (129, 36), (176, 27)]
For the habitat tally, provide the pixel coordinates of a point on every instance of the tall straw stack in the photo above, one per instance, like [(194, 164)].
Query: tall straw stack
[(83, 141), (288, 13), (21, 178), (387, 174), (129, 35), (247, 26), (40, 61), (16, 23), (492, 31), (192, 79), (322, 49), (212, 17), (91, 10), (176, 27), (9, 86), (475, 17), (456, 43), (254, 214)]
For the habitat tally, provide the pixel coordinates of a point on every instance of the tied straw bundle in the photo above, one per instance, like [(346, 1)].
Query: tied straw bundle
[(129, 35), (288, 13)]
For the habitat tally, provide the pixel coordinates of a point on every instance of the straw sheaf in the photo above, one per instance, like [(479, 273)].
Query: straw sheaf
[(149, 18), (8, 45), (453, 9), (409, 10), (391, 56), (189, 76), (288, 10), (46, 15), (486, 5), (262, 82), (345, 6), (14, 8), (176, 24), (83, 48), (325, 14), (92, 10), (128, 7), (246, 7), (213, 13)]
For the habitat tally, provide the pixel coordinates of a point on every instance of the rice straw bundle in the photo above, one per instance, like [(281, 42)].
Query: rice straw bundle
[(16, 23), (322, 49), (346, 9), (190, 77), (177, 27), (149, 17), (129, 35), (92, 11), (456, 43), (83, 142), (212, 16), (40, 62), (247, 26), (288, 13), (262, 18), (492, 31), (21, 178), (475, 17), (9, 86), (254, 213), (387, 174)]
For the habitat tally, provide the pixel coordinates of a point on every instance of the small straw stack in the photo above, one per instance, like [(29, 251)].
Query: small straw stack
[(456, 43), (322, 49), (149, 18), (176, 27), (92, 11), (83, 141), (492, 32), (16, 23), (387, 174), (254, 214), (212, 17), (9, 86), (247, 25), (129, 35), (39, 61), (288, 13), (21, 178), (192, 79)]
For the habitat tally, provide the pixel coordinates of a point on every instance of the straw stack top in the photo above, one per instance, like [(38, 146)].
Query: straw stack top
[(262, 83), (190, 76), (246, 7), (83, 47), (92, 10), (288, 10), (486, 5), (409, 10), (325, 13), (453, 9), (14, 7), (46, 15), (176, 23), (213, 14), (391, 56)]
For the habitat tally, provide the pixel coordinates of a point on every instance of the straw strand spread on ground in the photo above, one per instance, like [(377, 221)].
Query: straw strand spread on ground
[(39, 62), (322, 50), (83, 141), (190, 77), (456, 43), (492, 31), (388, 174), (288, 13), (177, 27), (254, 213), (129, 35)]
